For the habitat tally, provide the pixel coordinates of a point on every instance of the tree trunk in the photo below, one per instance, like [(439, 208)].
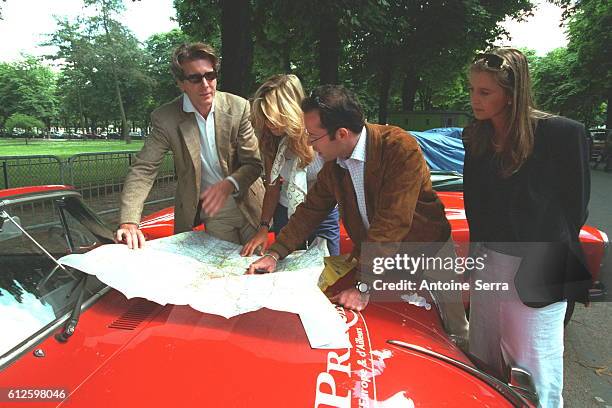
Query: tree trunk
[(409, 90), (236, 46), (124, 129), (329, 49), (386, 71), (425, 95)]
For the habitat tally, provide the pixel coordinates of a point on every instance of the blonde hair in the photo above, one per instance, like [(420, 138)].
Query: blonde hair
[(513, 77), (277, 101)]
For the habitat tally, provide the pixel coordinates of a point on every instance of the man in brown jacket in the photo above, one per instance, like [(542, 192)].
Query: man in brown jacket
[(216, 156), (378, 177)]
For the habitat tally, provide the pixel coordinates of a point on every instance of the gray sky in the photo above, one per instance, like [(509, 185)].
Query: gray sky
[(26, 21)]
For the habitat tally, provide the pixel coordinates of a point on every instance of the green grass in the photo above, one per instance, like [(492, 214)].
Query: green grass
[(63, 148), (86, 172)]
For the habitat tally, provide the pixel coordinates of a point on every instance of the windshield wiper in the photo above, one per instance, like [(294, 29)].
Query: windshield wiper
[(72, 322)]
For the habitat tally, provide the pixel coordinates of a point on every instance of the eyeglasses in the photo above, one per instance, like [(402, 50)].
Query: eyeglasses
[(197, 78), (311, 141)]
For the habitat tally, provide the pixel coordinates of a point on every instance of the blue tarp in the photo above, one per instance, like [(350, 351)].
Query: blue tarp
[(442, 148)]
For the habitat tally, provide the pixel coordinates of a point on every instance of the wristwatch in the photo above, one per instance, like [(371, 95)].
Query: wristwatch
[(265, 224), (362, 287)]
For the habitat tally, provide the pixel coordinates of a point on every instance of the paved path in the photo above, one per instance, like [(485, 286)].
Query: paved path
[(588, 344)]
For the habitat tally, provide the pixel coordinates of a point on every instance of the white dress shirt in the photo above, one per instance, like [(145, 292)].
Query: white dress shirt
[(209, 156), (355, 164)]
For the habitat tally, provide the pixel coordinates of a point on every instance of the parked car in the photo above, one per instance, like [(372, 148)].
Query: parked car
[(598, 145), (604, 155), (88, 345)]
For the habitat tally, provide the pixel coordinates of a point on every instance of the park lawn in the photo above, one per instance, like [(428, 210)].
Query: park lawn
[(63, 148), (87, 171)]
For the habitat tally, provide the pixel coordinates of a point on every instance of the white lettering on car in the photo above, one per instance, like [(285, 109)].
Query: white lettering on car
[(334, 384)]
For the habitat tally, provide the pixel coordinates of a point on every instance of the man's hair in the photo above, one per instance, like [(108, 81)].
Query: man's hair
[(191, 52), (338, 108)]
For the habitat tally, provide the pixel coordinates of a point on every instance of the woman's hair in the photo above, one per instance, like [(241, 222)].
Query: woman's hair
[(510, 70), (277, 101)]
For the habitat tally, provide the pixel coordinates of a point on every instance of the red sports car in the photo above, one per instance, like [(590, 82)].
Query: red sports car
[(68, 340)]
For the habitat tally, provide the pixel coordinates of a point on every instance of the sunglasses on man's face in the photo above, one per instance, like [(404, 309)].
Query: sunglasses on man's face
[(197, 78)]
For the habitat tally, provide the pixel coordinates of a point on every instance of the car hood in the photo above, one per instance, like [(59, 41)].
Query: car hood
[(176, 356)]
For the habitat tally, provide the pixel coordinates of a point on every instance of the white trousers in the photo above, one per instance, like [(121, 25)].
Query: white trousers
[(532, 338)]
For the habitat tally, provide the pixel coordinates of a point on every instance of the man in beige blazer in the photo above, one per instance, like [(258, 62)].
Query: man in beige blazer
[(216, 156)]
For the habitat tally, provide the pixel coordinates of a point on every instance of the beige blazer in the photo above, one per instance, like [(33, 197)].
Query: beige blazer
[(177, 131)]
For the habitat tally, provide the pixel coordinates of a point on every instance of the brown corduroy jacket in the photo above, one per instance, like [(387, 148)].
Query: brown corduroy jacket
[(400, 201)]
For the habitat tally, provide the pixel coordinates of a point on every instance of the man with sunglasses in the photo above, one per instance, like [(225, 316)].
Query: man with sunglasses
[(216, 156), (378, 177)]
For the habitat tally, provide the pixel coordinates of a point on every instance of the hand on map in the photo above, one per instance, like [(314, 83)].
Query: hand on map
[(351, 299), (265, 264), (130, 235), (256, 244)]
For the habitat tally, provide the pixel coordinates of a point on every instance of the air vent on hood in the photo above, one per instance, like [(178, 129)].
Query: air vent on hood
[(137, 313)]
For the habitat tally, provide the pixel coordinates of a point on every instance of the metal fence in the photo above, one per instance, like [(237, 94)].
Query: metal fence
[(99, 177), (20, 171), (103, 173)]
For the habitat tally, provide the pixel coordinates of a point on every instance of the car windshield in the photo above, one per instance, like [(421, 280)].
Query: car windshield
[(34, 291)]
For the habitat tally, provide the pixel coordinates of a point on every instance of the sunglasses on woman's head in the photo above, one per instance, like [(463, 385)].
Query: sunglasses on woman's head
[(496, 62), (491, 61)]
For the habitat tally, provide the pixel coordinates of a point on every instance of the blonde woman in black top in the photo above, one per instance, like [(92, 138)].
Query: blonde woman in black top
[(526, 190)]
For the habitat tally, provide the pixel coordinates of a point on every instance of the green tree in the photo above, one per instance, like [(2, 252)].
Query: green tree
[(105, 76), (112, 31), (424, 46), (590, 37), (25, 122), (159, 48), (28, 87)]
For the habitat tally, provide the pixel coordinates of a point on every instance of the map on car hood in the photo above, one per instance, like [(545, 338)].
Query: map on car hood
[(196, 269)]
